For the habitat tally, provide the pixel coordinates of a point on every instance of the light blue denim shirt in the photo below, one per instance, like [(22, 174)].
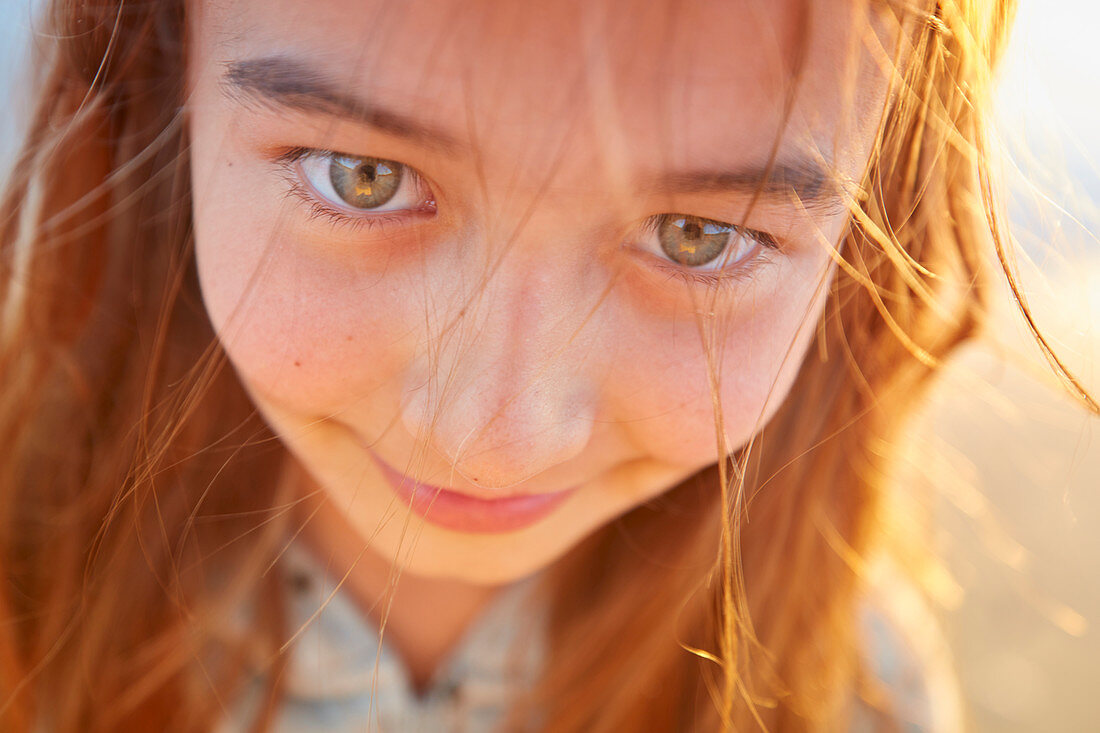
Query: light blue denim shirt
[(331, 684)]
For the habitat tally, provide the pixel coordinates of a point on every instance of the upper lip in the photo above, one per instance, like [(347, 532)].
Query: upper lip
[(478, 493)]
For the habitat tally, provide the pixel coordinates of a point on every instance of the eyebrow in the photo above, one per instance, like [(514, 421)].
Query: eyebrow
[(287, 83), (284, 82), (804, 177)]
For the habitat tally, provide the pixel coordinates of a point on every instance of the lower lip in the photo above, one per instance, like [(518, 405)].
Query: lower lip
[(456, 511)]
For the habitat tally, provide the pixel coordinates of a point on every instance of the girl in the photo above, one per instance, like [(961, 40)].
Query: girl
[(468, 363)]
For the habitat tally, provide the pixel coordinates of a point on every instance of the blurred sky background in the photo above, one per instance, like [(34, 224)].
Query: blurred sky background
[(1021, 583)]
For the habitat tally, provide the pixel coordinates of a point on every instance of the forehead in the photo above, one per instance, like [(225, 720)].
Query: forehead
[(701, 81)]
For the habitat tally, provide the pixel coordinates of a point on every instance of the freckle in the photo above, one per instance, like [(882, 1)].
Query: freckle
[(349, 338), (297, 363)]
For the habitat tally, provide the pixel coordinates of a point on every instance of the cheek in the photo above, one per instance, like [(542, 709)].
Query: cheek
[(665, 390), (302, 328), (304, 332)]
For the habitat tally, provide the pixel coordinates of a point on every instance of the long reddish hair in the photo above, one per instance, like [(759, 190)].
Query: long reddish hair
[(139, 500)]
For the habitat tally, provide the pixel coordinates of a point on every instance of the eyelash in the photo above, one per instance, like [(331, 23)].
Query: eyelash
[(741, 271), (318, 210), (720, 279)]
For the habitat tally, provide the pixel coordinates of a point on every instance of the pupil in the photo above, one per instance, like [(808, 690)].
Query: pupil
[(367, 174)]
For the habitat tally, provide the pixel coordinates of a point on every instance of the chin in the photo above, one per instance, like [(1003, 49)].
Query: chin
[(488, 560)]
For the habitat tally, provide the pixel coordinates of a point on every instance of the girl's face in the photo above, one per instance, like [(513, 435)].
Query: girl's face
[(507, 246)]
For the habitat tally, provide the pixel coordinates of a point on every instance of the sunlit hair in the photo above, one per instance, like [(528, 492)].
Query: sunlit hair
[(139, 496)]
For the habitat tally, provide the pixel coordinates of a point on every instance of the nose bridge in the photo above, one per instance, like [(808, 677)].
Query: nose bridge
[(511, 391)]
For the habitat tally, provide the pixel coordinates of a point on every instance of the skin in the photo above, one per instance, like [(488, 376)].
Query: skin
[(526, 336)]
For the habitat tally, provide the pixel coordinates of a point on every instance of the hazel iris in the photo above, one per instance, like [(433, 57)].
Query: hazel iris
[(364, 183), (693, 240)]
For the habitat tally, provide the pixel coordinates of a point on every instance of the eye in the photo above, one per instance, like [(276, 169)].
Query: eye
[(362, 183), (704, 244)]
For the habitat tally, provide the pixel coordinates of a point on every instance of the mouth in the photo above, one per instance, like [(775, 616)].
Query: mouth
[(455, 510)]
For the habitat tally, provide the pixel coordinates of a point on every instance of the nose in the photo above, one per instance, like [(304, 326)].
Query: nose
[(506, 393)]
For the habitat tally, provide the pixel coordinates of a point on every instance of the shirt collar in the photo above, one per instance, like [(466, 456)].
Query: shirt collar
[(337, 653)]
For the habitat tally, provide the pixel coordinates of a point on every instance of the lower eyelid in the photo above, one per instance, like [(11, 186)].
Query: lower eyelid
[(661, 270), (317, 209), (711, 279), (740, 272)]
